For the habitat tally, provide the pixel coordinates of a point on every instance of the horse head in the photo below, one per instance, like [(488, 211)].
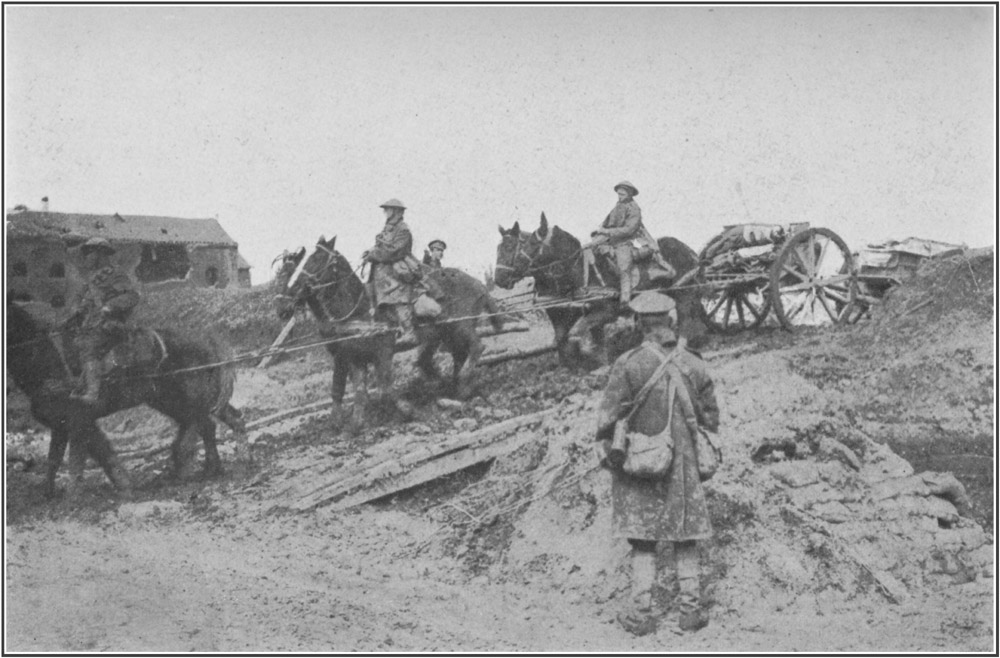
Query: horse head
[(515, 256), (322, 278)]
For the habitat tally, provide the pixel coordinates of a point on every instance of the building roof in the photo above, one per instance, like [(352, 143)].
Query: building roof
[(117, 228), (241, 262)]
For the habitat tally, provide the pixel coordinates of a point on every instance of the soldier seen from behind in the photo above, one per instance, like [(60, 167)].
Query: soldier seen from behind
[(101, 314), (671, 508)]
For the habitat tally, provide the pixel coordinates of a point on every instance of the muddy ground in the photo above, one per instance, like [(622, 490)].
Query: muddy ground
[(837, 528)]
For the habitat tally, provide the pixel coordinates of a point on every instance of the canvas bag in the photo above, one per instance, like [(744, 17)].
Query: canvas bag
[(708, 455), (647, 457)]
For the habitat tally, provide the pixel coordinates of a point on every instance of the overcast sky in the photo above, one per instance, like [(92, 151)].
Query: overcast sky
[(291, 122)]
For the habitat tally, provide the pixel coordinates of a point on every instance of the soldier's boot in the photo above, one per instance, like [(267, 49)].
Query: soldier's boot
[(625, 286), (404, 315), (641, 616), (692, 618), (92, 383)]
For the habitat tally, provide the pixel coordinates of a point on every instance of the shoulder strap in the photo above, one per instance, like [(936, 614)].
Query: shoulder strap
[(665, 361)]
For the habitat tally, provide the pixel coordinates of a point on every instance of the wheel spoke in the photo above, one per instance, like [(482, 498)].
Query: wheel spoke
[(801, 277), (821, 258), (729, 307), (739, 311), (822, 300), (715, 308), (797, 308), (755, 311)]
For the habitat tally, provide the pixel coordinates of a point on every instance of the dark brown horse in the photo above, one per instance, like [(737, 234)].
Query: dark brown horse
[(554, 258), (323, 280), (177, 385)]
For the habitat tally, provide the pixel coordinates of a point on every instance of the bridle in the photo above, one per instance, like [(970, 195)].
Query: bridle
[(519, 252), (314, 283)]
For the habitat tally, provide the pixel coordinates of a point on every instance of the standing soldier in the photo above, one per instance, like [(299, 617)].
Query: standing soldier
[(434, 253), (614, 239), (102, 313), (673, 509), (395, 272)]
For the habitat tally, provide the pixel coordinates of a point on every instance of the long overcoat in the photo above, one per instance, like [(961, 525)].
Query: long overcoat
[(674, 508), (624, 226), (393, 244)]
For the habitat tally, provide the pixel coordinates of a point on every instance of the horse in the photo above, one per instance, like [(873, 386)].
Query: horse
[(324, 281), (554, 258), (183, 384)]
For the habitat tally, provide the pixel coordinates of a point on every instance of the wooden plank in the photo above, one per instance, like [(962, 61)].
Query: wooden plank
[(282, 336), (364, 474), (508, 355), (432, 470)]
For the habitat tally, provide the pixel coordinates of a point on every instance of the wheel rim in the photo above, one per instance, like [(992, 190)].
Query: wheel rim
[(813, 280)]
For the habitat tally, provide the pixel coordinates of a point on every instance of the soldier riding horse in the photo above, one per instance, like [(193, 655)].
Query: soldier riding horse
[(323, 280), (558, 263)]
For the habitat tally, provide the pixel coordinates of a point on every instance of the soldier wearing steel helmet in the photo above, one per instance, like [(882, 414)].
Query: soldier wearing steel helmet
[(673, 509), (101, 313), (395, 272), (621, 237)]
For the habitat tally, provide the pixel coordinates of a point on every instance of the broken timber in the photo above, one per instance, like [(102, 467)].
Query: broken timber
[(388, 473), (282, 337)]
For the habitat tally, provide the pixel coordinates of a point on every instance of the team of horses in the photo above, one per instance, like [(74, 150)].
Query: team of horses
[(192, 380)]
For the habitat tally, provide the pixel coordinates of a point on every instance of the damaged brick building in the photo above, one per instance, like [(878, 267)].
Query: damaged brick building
[(156, 252)]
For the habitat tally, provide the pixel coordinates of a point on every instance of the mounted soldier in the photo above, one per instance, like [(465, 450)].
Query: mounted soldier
[(396, 276), (102, 313), (434, 253), (624, 240)]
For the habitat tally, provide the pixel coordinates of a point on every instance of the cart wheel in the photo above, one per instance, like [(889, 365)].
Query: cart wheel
[(737, 306), (813, 281)]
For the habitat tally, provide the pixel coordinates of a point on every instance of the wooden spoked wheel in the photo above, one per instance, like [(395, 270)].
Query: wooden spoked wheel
[(736, 305), (813, 281)]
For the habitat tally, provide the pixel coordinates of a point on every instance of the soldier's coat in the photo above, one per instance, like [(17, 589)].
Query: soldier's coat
[(394, 243), (672, 509), (624, 225)]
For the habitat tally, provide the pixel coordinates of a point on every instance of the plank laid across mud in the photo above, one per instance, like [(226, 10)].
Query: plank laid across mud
[(389, 471)]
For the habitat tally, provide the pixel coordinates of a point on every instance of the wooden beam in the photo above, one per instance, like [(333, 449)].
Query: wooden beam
[(508, 355), (432, 470), (387, 467), (287, 329)]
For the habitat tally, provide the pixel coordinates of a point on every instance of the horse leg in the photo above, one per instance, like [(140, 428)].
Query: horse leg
[(466, 362), (57, 450), (425, 360), (562, 320), (96, 444), (383, 374), (339, 385), (183, 449), (206, 428), (359, 379), (233, 418)]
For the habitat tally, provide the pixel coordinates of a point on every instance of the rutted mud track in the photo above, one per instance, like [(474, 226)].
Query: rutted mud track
[(811, 552)]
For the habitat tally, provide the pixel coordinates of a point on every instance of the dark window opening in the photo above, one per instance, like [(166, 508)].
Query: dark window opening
[(57, 271), (19, 268), (211, 276), (58, 301), (162, 262)]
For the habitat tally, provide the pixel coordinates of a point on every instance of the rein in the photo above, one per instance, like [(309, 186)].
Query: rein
[(331, 261)]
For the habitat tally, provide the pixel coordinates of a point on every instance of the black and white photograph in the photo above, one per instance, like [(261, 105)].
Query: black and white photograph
[(500, 328)]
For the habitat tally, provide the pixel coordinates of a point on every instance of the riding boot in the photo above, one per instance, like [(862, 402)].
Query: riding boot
[(92, 383), (625, 286), (404, 315)]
